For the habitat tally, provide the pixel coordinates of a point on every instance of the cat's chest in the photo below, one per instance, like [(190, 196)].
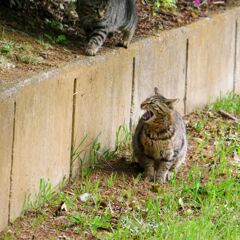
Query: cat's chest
[(157, 149)]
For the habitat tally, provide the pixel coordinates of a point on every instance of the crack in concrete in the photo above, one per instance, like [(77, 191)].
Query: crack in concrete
[(186, 77), (235, 56), (73, 122), (132, 94), (12, 156)]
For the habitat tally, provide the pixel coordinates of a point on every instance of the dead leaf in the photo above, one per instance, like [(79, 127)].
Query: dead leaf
[(155, 187)]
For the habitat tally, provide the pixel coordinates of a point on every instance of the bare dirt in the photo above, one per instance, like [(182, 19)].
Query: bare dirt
[(54, 38)]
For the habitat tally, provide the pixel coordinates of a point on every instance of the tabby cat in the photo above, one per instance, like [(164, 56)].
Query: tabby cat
[(100, 18), (160, 142)]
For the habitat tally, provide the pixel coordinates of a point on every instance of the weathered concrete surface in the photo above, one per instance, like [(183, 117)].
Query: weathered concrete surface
[(160, 62), (103, 99), (6, 138), (237, 74), (210, 59), (43, 122)]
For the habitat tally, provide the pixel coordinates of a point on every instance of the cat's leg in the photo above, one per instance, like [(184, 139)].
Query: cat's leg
[(162, 171), (175, 168), (127, 37), (148, 166), (177, 163), (97, 38), (149, 170)]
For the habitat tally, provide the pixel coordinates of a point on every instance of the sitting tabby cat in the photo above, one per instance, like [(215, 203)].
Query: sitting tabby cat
[(160, 142), (100, 18)]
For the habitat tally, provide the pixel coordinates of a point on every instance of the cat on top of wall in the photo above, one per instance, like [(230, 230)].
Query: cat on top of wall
[(100, 18), (160, 141)]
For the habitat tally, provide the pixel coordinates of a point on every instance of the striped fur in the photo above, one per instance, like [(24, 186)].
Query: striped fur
[(99, 18), (160, 142)]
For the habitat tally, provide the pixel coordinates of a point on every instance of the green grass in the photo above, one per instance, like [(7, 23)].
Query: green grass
[(229, 103), (23, 52)]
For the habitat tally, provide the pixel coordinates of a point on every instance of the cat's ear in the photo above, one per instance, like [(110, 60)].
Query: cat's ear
[(156, 91), (171, 102)]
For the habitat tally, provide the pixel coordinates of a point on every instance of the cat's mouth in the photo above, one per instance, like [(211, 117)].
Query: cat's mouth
[(147, 115)]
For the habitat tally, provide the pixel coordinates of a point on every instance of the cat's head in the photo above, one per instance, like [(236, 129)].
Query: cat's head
[(157, 107), (96, 9)]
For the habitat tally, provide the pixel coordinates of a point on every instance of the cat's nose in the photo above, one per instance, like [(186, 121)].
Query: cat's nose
[(143, 105)]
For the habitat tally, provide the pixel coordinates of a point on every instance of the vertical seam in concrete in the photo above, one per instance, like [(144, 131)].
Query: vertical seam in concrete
[(235, 56), (186, 77), (132, 93), (73, 122), (12, 156)]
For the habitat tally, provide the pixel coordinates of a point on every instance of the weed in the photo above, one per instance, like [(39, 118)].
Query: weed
[(54, 24), (199, 125), (8, 236), (91, 154), (100, 222), (43, 43), (111, 180), (123, 142), (229, 103), (7, 47), (28, 59), (168, 4), (59, 39), (21, 52), (46, 193), (123, 137), (38, 220)]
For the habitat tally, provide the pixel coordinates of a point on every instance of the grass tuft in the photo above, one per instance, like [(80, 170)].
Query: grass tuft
[(229, 103)]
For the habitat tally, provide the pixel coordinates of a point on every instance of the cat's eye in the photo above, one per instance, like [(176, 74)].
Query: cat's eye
[(101, 13)]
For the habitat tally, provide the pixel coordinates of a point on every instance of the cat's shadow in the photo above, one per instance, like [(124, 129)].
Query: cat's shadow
[(122, 166)]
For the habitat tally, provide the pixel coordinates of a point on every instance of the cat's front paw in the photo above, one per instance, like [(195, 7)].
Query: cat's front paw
[(170, 175), (150, 177), (123, 45), (161, 179), (91, 49), (90, 52)]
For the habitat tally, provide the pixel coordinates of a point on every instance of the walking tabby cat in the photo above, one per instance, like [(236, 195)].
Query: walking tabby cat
[(100, 18)]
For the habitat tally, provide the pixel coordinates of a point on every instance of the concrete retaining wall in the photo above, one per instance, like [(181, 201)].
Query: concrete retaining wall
[(42, 117)]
